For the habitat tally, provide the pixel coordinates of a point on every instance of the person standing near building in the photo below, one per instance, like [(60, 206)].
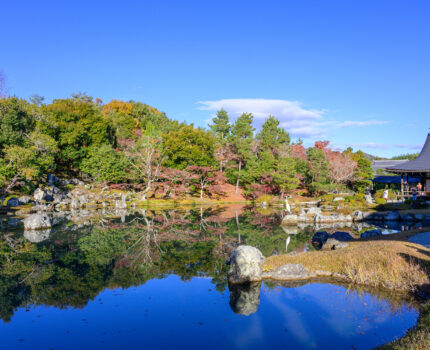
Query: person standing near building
[(419, 187), (385, 195)]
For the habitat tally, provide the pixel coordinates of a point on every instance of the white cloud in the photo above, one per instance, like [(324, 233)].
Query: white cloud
[(354, 123), (414, 147), (293, 117), (297, 120), (371, 145)]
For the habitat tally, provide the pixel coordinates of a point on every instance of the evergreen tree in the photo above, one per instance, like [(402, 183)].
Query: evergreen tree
[(272, 137), (241, 138), (221, 124)]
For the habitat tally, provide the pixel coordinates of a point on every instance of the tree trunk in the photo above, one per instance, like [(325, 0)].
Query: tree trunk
[(238, 177)]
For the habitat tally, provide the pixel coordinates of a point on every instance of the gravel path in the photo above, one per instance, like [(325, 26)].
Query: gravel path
[(421, 238)]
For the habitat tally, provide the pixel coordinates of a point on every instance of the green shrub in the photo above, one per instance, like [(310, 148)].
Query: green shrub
[(380, 201), (70, 187), (327, 198), (360, 197)]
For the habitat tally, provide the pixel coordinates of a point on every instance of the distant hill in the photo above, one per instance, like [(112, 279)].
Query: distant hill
[(408, 156)]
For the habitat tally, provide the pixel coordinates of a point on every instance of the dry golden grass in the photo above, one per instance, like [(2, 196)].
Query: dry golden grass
[(391, 264)]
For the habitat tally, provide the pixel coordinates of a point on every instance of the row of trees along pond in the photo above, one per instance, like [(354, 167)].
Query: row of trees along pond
[(135, 145)]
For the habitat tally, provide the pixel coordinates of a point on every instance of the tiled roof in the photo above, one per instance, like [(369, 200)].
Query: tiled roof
[(420, 164)]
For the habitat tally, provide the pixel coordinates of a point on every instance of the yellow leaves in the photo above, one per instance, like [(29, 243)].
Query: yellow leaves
[(117, 106)]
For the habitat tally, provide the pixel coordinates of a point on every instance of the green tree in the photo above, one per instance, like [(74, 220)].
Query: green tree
[(272, 137), (285, 175), (26, 162), (221, 124), (318, 169), (15, 122), (105, 164), (242, 135), (189, 146), (76, 124), (363, 175)]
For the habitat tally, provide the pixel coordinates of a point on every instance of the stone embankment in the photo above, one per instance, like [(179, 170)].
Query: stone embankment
[(357, 216)]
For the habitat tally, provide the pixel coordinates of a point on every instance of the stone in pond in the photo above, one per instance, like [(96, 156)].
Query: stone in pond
[(245, 298), (37, 221), (320, 238), (333, 244), (342, 236), (245, 264)]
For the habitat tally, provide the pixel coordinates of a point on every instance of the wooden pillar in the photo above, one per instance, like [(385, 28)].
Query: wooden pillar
[(402, 187)]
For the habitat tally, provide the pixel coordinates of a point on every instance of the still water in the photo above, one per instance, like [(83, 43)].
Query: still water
[(153, 279)]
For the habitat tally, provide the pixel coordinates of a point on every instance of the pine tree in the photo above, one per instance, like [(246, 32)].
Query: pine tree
[(221, 124), (241, 138)]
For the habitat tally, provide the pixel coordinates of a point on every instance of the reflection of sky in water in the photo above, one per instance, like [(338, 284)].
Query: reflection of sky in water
[(169, 313)]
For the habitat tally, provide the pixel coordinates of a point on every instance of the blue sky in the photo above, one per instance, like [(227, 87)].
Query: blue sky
[(353, 72)]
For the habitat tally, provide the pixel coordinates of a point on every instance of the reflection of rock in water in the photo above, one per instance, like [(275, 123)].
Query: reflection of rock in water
[(37, 236), (290, 230), (245, 298)]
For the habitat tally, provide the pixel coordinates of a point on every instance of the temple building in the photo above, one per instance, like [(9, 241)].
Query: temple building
[(417, 168)]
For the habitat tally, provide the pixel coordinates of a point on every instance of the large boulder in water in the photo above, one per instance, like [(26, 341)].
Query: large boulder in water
[(37, 221), (245, 298), (342, 236), (245, 264)]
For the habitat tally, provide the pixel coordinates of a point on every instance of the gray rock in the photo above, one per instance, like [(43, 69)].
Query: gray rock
[(341, 236), (24, 199), (333, 244), (59, 197), (323, 219), (392, 216), (13, 202), (37, 221), (287, 272), (75, 204), (290, 219), (84, 199), (39, 195), (371, 233), (245, 264), (357, 215), (337, 199), (245, 298)]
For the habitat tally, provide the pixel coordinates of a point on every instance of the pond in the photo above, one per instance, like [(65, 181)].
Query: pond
[(156, 279)]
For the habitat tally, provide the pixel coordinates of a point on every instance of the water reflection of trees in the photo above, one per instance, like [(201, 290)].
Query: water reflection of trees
[(93, 251)]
